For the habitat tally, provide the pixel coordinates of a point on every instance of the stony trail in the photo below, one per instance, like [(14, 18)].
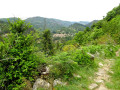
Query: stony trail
[(102, 74)]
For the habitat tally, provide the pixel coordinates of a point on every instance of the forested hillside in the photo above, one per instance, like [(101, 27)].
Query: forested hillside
[(50, 54), (52, 24), (40, 23), (91, 23), (104, 31)]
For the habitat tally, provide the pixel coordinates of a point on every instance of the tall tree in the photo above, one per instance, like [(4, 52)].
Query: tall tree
[(47, 43)]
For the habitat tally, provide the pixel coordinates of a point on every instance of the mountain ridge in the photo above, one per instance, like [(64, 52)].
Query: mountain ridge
[(41, 23)]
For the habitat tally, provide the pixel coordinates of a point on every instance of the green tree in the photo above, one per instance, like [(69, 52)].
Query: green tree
[(79, 37), (47, 43), (87, 29)]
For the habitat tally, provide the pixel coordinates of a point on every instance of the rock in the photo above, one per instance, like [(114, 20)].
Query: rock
[(40, 83), (75, 75), (99, 81), (111, 72), (59, 82), (100, 64), (92, 56), (46, 71), (93, 86)]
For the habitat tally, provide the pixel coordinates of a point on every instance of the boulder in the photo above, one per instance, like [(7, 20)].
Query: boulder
[(40, 83)]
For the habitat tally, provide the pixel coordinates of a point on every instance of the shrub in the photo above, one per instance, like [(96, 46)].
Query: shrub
[(63, 66), (110, 51), (82, 58), (68, 48), (17, 58)]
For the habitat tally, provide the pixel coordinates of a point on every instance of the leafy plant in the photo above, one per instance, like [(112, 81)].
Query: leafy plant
[(47, 43), (17, 58), (82, 58), (63, 66), (68, 48)]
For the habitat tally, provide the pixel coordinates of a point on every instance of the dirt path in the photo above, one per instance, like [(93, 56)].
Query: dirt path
[(102, 74)]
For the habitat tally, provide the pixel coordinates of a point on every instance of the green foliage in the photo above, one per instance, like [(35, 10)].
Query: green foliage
[(93, 49), (63, 66), (87, 29), (82, 58), (77, 27), (96, 33), (79, 37), (17, 58), (47, 43), (108, 26), (106, 51), (68, 48), (110, 51), (19, 26), (111, 14), (113, 29)]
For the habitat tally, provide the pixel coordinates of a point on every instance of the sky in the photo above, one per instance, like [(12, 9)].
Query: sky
[(69, 10)]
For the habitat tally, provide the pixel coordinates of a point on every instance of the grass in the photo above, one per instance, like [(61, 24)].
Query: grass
[(114, 83), (86, 78), (87, 75)]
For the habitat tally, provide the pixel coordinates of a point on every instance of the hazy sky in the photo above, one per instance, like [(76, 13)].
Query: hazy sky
[(70, 10)]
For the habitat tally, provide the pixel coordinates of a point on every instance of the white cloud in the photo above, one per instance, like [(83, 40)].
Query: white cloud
[(71, 10)]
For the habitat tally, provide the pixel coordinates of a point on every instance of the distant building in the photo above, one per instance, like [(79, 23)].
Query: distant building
[(60, 35)]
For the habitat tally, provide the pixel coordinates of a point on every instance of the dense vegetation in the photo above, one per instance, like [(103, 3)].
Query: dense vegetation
[(25, 51)]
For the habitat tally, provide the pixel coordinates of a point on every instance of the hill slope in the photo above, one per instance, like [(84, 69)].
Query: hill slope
[(77, 27), (83, 22), (91, 23), (3, 27), (52, 24), (105, 31)]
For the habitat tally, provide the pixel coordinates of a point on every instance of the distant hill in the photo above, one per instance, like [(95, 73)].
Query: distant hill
[(6, 19), (83, 22), (42, 23), (48, 23), (3, 27), (91, 23), (72, 29), (77, 26)]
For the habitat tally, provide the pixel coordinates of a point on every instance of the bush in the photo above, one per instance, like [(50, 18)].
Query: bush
[(82, 58), (63, 66), (68, 48), (17, 58), (110, 51)]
